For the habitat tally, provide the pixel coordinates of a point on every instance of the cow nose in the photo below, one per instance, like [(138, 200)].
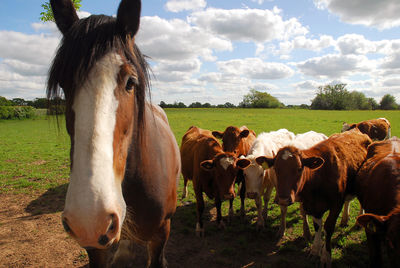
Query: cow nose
[(252, 195), (285, 201), (102, 234)]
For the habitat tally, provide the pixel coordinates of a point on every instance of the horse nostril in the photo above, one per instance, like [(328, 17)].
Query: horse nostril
[(103, 240), (113, 223), (66, 226)]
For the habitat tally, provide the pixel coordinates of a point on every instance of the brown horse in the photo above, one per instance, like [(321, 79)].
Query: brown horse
[(125, 161)]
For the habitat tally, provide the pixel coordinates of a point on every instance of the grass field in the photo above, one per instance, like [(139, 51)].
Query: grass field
[(35, 158)]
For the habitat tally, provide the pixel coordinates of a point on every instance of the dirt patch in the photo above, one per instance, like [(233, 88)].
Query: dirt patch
[(34, 240), (31, 235)]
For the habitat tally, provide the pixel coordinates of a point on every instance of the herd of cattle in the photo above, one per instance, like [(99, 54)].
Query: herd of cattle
[(322, 173)]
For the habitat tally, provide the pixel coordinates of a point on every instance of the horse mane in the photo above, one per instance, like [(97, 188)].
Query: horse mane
[(82, 46)]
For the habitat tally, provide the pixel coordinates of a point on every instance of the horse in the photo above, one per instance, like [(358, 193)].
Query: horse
[(125, 161)]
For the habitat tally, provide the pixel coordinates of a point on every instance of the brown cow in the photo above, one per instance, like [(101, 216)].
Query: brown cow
[(376, 129), (212, 171), (239, 141), (378, 189), (319, 178)]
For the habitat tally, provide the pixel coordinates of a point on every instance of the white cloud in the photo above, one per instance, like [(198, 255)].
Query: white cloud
[(181, 5), (382, 14), (355, 44), (255, 68), (335, 66), (177, 40), (248, 25)]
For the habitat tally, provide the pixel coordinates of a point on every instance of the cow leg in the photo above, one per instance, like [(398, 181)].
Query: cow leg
[(329, 227), (306, 228), (345, 214), (200, 210), (282, 227), (155, 248), (185, 190), (266, 197), (374, 250), (317, 243), (220, 222), (260, 218), (231, 214), (242, 194)]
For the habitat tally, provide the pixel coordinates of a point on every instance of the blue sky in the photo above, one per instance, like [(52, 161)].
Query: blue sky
[(215, 51)]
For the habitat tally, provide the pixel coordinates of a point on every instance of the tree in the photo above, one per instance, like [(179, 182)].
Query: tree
[(5, 102), (47, 13), (195, 105), (331, 97), (388, 102), (18, 102), (373, 104), (258, 99)]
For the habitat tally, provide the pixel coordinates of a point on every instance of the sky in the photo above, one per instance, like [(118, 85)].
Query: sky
[(217, 50)]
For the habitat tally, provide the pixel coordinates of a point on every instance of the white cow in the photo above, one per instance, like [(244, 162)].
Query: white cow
[(260, 182)]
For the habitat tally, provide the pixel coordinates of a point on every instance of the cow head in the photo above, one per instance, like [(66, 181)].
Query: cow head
[(387, 227), (254, 177), (289, 164), (231, 137), (225, 167)]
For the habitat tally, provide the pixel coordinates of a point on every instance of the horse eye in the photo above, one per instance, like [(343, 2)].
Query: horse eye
[(131, 83)]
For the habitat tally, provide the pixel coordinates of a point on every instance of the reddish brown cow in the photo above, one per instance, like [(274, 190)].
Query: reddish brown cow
[(376, 129), (318, 177), (239, 141), (378, 189), (212, 171)]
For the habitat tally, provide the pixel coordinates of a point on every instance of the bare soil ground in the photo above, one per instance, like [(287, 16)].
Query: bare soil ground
[(31, 235)]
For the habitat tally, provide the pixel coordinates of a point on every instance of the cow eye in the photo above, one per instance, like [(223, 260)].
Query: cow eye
[(131, 83)]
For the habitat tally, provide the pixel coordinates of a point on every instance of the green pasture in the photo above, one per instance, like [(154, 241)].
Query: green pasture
[(34, 158)]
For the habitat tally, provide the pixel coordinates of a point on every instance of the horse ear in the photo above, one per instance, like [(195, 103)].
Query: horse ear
[(128, 16), (64, 14)]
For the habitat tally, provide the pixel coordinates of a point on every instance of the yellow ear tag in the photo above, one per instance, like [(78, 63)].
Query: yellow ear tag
[(371, 227), (264, 165)]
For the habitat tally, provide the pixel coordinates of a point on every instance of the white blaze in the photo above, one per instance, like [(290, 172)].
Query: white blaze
[(93, 188)]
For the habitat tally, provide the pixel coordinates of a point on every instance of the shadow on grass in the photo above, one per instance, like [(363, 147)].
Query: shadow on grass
[(50, 202)]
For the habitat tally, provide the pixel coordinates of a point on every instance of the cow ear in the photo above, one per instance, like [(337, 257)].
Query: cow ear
[(244, 133), (372, 223), (64, 14), (265, 162), (218, 134), (207, 165), (243, 163), (128, 17), (312, 162)]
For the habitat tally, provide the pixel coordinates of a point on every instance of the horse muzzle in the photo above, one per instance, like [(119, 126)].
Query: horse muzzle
[(102, 233)]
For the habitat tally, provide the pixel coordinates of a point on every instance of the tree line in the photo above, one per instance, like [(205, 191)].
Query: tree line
[(328, 97)]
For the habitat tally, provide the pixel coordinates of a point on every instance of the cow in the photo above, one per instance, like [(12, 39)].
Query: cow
[(320, 178), (378, 190), (239, 141), (236, 140), (260, 183), (376, 129), (211, 170)]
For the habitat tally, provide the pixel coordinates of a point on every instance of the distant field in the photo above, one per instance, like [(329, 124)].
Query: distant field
[(35, 158)]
